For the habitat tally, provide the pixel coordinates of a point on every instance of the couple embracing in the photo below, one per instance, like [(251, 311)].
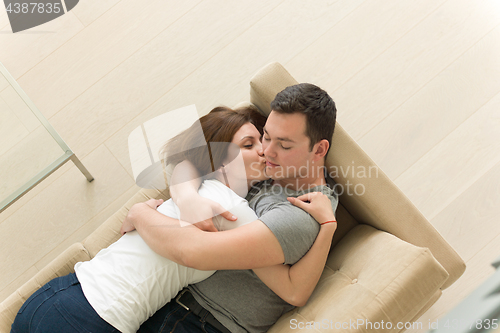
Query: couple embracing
[(166, 275)]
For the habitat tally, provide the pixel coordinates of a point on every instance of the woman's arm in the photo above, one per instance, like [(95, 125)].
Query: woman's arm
[(185, 182), (295, 284)]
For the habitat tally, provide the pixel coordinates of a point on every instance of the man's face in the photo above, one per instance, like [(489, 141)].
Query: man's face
[(286, 147)]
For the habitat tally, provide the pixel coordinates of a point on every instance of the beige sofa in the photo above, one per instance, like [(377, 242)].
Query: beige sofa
[(387, 265)]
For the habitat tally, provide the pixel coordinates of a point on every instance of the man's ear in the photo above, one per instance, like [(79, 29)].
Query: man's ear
[(320, 149)]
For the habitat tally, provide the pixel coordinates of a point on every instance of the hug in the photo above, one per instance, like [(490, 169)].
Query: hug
[(244, 278)]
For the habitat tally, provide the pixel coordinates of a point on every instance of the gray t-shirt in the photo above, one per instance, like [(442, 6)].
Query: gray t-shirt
[(238, 298)]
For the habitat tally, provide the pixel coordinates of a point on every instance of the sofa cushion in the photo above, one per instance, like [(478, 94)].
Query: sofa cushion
[(345, 223), (381, 204), (370, 275)]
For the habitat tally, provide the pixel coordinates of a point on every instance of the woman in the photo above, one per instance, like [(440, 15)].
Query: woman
[(127, 282)]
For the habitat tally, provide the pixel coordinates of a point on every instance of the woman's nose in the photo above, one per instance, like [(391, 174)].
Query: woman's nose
[(260, 151)]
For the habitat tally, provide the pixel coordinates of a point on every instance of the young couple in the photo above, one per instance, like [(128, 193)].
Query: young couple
[(265, 267)]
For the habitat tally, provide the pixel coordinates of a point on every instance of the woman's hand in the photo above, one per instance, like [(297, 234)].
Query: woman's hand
[(194, 208), (317, 204), (199, 211)]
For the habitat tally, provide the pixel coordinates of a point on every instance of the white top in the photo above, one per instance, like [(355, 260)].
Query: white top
[(127, 282)]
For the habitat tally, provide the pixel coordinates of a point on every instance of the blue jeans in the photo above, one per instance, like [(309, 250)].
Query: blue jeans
[(59, 306), (173, 318)]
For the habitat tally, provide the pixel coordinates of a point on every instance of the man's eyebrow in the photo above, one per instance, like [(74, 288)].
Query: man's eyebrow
[(281, 139)]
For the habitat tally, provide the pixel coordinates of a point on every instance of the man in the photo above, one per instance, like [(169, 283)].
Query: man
[(297, 137)]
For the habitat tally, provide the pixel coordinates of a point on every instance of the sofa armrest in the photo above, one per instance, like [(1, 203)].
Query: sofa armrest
[(60, 266), (370, 276)]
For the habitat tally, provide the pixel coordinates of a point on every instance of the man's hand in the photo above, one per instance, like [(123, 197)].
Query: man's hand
[(199, 211), (128, 222)]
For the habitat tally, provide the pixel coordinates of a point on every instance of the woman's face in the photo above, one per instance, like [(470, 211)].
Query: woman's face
[(248, 139)]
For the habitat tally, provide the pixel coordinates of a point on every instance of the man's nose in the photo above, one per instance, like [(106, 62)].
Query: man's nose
[(268, 150)]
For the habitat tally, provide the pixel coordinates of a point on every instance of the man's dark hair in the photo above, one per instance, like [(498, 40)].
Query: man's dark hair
[(315, 104)]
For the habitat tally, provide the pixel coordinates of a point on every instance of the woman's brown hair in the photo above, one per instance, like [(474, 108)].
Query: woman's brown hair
[(219, 125)]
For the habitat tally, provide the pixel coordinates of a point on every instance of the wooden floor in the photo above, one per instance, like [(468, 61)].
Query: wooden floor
[(417, 84)]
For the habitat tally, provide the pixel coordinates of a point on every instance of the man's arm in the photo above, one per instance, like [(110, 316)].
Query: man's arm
[(249, 246), (295, 283)]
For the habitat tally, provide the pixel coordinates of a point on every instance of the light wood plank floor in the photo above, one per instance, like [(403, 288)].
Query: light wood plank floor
[(417, 84)]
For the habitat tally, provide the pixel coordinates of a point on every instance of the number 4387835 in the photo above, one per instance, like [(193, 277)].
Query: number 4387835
[(32, 8)]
